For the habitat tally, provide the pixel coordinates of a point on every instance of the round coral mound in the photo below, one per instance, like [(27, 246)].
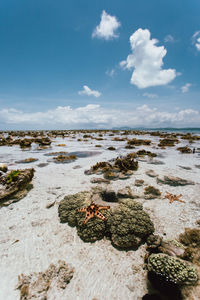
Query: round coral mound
[(129, 224), (172, 269)]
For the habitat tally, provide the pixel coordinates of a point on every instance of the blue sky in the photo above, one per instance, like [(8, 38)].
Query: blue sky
[(72, 64)]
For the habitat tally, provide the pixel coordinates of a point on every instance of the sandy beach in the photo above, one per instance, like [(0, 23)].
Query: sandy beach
[(32, 237)]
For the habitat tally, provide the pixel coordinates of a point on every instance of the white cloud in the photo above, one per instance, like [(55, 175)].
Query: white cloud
[(107, 27), (111, 72), (149, 95), (196, 40), (95, 116), (147, 60), (185, 88), (87, 91), (169, 39)]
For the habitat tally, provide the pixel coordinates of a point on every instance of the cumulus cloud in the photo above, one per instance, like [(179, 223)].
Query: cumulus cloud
[(196, 40), (150, 95), (169, 39), (87, 91), (147, 60), (107, 27), (185, 88), (95, 116)]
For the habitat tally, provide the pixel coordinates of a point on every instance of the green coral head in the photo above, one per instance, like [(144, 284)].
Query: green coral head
[(173, 269)]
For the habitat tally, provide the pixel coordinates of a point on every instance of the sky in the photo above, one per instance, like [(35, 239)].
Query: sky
[(99, 64)]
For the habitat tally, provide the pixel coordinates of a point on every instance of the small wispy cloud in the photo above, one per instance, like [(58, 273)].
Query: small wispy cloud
[(185, 88), (111, 72), (107, 27), (149, 95), (169, 39), (196, 40), (87, 91)]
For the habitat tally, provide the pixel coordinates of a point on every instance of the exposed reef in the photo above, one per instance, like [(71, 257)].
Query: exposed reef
[(14, 184)]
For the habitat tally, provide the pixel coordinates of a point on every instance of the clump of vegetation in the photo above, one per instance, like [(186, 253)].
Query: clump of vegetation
[(191, 237), (168, 142), (184, 149), (12, 176), (126, 163), (138, 142), (145, 152), (152, 191), (65, 158), (98, 146)]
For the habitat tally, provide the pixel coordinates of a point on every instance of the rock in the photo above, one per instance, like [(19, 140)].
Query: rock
[(172, 269), (151, 192), (125, 193), (14, 183), (172, 248), (36, 285), (151, 173), (64, 158), (129, 224), (174, 181), (153, 242), (184, 149), (123, 176), (42, 165), (156, 162), (139, 182), (50, 204), (27, 160), (99, 180), (109, 195), (3, 168)]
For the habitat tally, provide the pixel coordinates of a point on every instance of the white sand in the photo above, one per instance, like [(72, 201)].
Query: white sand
[(32, 237)]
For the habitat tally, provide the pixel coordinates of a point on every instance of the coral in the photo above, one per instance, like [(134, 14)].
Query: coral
[(64, 158), (126, 163), (129, 224), (191, 237), (93, 210), (94, 229), (152, 191), (67, 209), (172, 269), (145, 152), (168, 142), (174, 181), (36, 285), (14, 182), (184, 150), (138, 142)]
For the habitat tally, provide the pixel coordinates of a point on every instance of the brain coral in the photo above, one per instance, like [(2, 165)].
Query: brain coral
[(172, 269), (94, 229), (129, 224)]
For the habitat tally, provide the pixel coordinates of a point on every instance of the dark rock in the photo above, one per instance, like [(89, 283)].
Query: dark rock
[(174, 181), (14, 183)]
